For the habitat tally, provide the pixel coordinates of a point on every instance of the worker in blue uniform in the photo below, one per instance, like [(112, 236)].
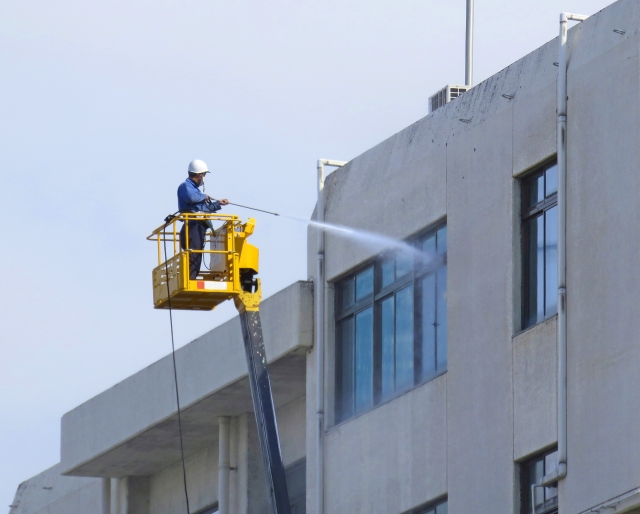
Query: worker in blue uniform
[(191, 199)]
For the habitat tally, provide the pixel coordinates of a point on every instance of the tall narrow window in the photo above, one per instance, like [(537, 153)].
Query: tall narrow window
[(391, 324), (539, 245), (354, 337), (545, 499)]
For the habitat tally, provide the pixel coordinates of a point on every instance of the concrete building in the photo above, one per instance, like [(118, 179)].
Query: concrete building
[(440, 366)]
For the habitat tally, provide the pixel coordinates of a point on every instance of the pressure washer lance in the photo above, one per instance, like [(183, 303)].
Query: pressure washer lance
[(252, 208), (170, 217)]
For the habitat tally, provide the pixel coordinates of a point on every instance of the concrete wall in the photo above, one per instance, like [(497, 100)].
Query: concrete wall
[(534, 389), (292, 431), (480, 275), (501, 384), (391, 458), (603, 260), (247, 483)]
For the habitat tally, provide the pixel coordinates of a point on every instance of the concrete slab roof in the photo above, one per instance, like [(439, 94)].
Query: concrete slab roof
[(132, 428)]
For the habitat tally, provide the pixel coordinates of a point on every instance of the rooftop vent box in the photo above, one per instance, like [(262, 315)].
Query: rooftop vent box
[(445, 95)]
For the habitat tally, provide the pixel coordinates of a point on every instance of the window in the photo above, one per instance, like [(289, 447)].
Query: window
[(391, 324), (531, 472), (296, 476), (539, 245), (439, 507)]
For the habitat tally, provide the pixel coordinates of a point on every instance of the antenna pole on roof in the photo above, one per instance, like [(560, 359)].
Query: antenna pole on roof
[(468, 72)]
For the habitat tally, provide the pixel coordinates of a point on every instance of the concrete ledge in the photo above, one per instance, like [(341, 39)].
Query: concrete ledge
[(628, 503), (132, 428), (50, 493)]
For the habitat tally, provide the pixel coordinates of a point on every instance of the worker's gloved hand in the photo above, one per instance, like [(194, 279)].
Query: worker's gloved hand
[(214, 206), (224, 201)]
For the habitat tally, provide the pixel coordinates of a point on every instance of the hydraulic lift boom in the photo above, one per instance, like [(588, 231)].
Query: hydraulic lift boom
[(233, 264)]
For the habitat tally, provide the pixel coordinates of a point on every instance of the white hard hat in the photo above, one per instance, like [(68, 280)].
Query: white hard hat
[(198, 166)]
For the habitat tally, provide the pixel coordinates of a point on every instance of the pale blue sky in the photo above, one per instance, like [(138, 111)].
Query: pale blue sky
[(105, 103)]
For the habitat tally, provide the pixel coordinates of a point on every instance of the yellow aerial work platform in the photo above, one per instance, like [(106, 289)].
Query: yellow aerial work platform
[(230, 264), (229, 275)]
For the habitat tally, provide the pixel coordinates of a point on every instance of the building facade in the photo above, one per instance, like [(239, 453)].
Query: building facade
[(440, 357)]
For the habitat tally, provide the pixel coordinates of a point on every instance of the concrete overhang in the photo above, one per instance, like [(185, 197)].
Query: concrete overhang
[(131, 429)]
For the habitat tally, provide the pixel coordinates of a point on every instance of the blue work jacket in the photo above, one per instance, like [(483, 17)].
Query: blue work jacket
[(191, 199)]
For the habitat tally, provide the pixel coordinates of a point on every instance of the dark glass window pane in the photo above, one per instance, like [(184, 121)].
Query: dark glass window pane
[(551, 180), (551, 261), (364, 283), (536, 190), (346, 363), (441, 319), (442, 240), (345, 294), (387, 313), (364, 359), (550, 465), (540, 268), (404, 339), (443, 508), (546, 498), (533, 234), (388, 271), (404, 264), (536, 472), (428, 327), (429, 245)]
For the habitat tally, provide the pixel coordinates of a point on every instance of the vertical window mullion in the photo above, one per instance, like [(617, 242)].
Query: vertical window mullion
[(544, 264), (394, 351), (551, 260), (404, 357), (387, 337), (417, 331), (435, 323), (377, 334), (352, 366), (364, 359), (441, 320), (524, 248), (377, 352), (428, 321)]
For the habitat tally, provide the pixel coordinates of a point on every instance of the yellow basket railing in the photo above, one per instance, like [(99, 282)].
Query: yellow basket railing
[(230, 260)]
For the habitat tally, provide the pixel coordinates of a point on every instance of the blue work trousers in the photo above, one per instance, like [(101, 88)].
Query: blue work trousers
[(197, 230)]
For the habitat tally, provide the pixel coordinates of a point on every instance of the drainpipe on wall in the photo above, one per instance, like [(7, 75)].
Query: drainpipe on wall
[(561, 470), (224, 465), (106, 496), (319, 335)]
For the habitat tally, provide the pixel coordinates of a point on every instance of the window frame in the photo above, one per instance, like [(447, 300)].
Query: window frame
[(527, 214), (373, 301), (525, 487)]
